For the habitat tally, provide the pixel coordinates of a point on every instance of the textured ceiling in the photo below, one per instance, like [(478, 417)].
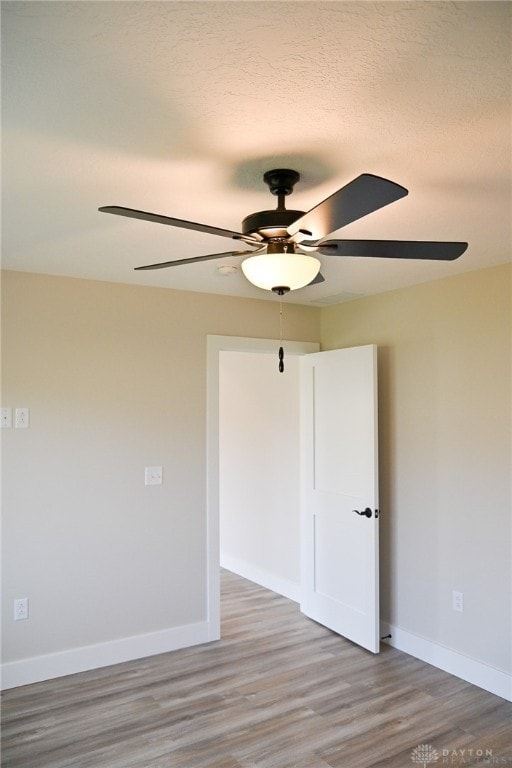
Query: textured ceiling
[(179, 108)]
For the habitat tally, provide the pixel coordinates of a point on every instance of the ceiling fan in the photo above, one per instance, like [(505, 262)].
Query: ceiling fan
[(282, 241)]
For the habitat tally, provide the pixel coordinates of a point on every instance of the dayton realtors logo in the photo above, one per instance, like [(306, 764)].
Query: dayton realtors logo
[(425, 754)]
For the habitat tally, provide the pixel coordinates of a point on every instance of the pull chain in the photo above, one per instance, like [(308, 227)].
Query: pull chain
[(281, 350), (281, 290)]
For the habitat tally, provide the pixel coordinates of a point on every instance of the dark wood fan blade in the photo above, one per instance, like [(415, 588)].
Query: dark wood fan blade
[(318, 279), (393, 249), (193, 259), (361, 196), (132, 213)]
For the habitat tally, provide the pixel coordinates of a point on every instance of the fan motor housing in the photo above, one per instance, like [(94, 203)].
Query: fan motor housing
[(270, 223)]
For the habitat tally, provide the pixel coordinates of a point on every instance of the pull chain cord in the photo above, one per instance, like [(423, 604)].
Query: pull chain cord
[(281, 350), (281, 290)]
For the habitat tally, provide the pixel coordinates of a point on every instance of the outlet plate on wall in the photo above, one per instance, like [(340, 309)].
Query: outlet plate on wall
[(458, 601), (21, 609)]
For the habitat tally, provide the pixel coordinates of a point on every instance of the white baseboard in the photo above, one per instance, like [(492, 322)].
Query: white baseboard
[(36, 669), (49, 666), (284, 587), (476, 672)]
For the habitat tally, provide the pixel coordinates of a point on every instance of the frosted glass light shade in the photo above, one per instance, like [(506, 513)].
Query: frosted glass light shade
[(280, 270)]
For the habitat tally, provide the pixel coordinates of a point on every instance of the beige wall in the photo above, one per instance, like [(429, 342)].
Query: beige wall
[(445, 455), (115, 379)]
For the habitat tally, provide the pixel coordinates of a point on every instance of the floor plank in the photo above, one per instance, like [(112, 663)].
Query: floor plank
[(277, 691)]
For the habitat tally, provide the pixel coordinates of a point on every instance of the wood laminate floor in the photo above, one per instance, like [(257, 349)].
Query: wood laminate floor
[(277, 691)]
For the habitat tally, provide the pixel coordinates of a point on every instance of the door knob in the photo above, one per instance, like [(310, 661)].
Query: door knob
[(366, 512)]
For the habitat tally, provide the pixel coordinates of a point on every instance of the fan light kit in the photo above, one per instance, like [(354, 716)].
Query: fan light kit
[(280, 271), (283, 241)]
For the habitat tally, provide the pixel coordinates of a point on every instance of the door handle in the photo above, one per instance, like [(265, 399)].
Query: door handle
[(367, 512)]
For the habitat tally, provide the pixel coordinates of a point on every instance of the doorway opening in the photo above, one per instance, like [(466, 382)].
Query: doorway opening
[(219, 348)]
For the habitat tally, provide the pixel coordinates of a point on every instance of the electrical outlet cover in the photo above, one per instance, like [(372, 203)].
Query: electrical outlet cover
[(458, 601), (21, 609)]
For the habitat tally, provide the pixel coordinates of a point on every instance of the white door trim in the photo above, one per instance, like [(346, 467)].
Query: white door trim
[(215, 345)]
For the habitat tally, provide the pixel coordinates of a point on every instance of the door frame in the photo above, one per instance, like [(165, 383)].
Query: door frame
[(216, 345)]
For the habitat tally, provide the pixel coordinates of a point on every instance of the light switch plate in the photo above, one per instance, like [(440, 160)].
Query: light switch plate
[(6, 418), (21, 418), (153, 476)]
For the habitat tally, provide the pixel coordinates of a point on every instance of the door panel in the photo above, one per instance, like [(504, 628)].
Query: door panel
[(341, 466), (332, 544), (339, 548)]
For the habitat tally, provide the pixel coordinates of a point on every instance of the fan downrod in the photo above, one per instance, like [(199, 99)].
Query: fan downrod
[(271, 224)]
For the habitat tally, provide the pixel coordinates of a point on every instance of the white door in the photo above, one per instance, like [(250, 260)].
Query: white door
[(339, 494)]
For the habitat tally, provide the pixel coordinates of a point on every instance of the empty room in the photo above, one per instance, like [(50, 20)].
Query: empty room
[(256, 343)]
